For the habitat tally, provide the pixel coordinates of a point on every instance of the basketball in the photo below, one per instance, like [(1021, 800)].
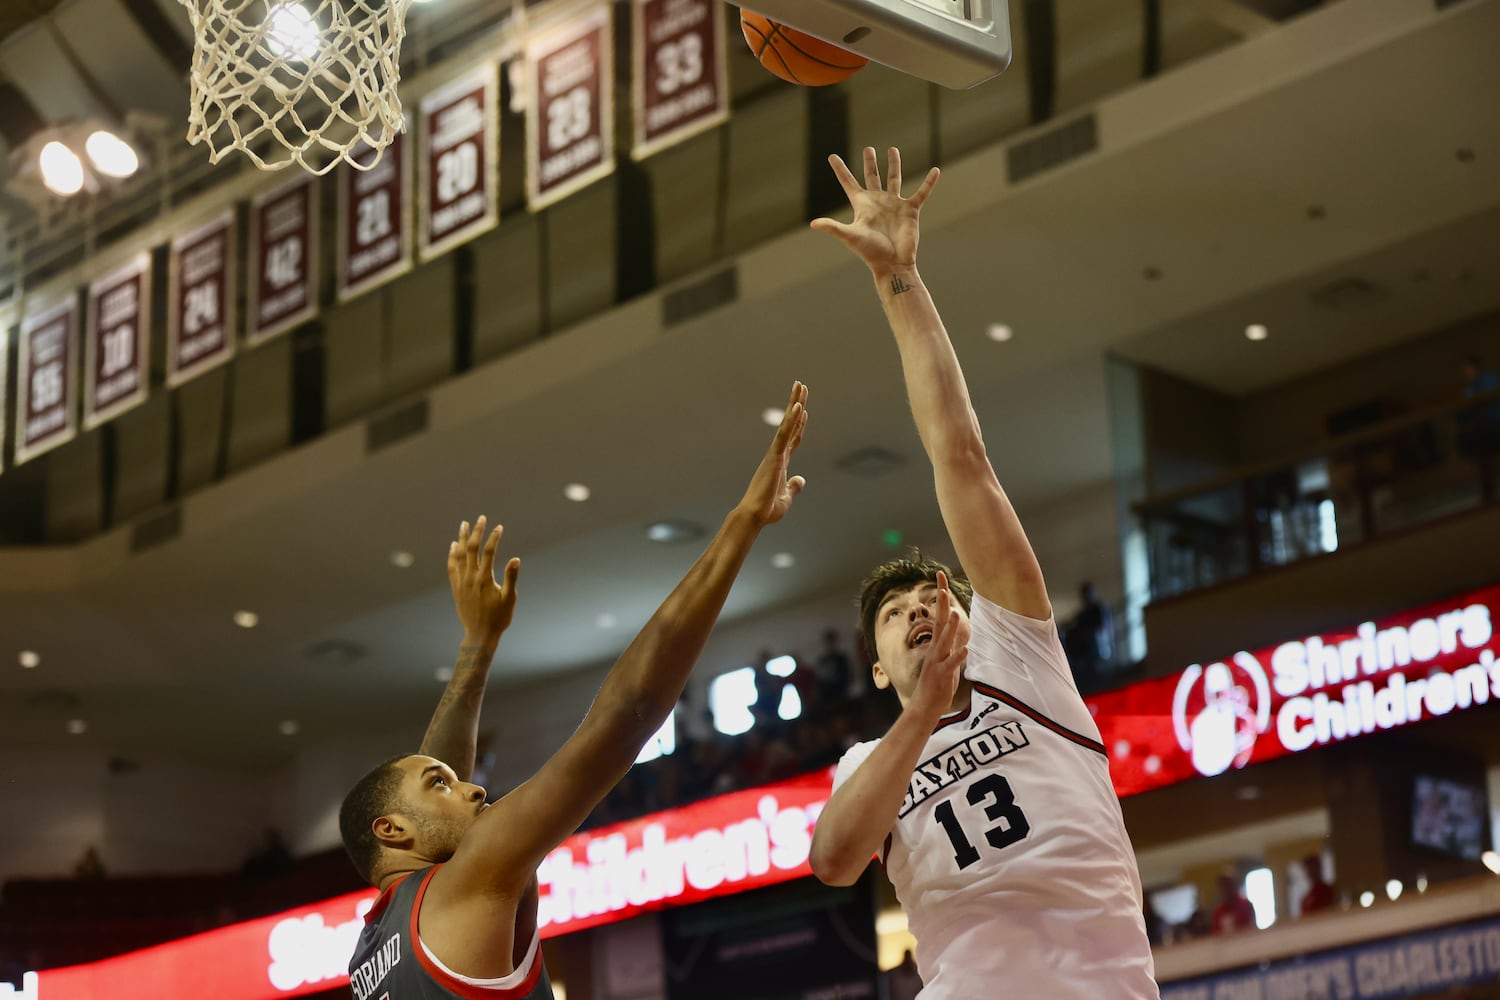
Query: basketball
[(797, 57)]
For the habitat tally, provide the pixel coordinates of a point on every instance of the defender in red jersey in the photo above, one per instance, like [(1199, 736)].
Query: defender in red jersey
[(457, 913)]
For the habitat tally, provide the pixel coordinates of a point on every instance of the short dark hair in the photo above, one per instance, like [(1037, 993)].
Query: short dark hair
[(898, 576), (374, 795)]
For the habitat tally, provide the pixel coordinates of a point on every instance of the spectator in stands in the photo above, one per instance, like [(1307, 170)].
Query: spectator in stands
[(832, 668), (902, 982), (272, 858), (90, 866), (1479, 426), (767, 689), (1088, 636), (1319, 894), (1234, 912)]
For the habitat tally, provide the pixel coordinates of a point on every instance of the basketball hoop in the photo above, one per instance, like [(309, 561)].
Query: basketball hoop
[(308, 82)]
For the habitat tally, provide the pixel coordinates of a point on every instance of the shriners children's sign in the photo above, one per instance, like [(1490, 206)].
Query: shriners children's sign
[(1254, 706)]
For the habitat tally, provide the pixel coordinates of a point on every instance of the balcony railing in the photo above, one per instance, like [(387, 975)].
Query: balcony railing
[(1402, 473)]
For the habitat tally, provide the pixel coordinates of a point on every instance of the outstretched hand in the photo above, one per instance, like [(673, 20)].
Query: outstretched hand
[(947, 654), (886, 226), (770, 493), (484, 606)]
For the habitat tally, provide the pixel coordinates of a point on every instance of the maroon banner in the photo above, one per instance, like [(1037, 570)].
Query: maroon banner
[(459, 186), (283, 260), (46, 373), (115, 372), (1422, 664), (201, 297), (570, 124), (680, 84), (374, 219)]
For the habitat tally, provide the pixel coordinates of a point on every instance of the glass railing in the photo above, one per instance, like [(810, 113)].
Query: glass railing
[(1402, 473)]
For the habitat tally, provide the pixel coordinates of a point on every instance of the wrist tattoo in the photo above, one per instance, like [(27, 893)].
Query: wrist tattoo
[(898, 286)]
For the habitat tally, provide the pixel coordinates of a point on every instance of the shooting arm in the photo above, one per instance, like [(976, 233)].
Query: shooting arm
[(453, 731)]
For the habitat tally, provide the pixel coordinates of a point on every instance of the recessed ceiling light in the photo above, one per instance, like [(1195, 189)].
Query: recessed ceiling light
[(30, 659), (402, 559), (783, 560), (668, 532), (1491, 861), (772, 416), (1256, 331), (999, 332), (443, 674), (77, 727), (577, 492), (1366, 898), (289, 727), (1465, 155), (606, 620), (1151, 273), (246, 619)]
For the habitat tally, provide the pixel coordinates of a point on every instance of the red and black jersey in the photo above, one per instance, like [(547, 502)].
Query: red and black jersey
[(392, 963)]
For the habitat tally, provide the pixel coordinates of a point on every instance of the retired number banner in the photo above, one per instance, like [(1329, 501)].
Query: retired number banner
[(283, 259), (46, 372), (201, 299), (679, 85), (570, 124), (115, 357), (374, 219), (459, 188)]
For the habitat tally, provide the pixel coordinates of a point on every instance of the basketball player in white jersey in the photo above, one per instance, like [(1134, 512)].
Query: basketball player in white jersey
[(457, 912), (989, 799)]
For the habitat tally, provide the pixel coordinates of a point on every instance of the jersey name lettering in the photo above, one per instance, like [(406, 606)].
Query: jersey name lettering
[(961, 760), (373, 970)]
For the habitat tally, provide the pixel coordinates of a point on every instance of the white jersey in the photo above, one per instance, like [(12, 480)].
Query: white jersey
[(1010, 855)]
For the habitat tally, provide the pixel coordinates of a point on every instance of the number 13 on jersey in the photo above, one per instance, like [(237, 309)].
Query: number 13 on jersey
[(1003, 821)]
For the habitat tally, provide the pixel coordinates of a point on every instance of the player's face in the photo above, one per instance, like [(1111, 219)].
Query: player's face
[(904, 627), (441, 808)]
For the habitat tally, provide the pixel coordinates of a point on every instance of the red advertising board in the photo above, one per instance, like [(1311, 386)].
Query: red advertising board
[(201, 296), (46, 376), (374, 219), (679, 86), (458, 190), (115, 357), (283, 259), (570, 120), (1383, 674)]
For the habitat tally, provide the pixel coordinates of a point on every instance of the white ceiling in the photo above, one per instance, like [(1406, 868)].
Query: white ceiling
[(665, 423)]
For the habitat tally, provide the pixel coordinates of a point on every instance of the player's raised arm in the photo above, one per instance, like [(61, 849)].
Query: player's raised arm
[(499, 855), (485, 608), (991, 545), (864, 807)]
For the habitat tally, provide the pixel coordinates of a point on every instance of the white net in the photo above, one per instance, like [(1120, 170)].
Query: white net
[(296, 81)]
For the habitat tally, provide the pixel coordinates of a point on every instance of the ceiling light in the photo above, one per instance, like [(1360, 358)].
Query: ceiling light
[(1366, 898), (246, 619), (443, 674), (62, 170), (669, 532), (402, 559), (999, 332), (771, 416), (1421, 883), (1491, 861), (289, 727), (606, 620), (783, 560), (291, 32), (577, 492), (77, 727), (111, 155), (1256, 331), (29, 659), (1393, 889)]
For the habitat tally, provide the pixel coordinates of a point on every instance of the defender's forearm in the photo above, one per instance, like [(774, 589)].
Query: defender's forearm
[(453, 732)]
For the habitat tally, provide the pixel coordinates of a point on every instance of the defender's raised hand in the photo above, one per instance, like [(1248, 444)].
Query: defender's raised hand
[(484, 606), (938, 678), (770, 492), (886, 226)]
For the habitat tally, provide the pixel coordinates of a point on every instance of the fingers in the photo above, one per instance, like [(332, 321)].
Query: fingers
[(845, 176), (893, 170), (512, 573), (872, 170), (795, 485), (834, 228), (487, 561), (928, 183)]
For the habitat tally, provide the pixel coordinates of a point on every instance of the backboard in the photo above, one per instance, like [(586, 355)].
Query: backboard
[(956, 43)]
